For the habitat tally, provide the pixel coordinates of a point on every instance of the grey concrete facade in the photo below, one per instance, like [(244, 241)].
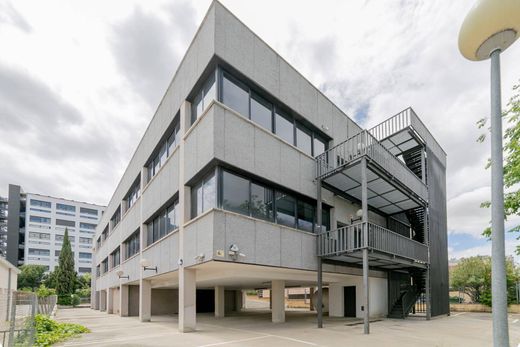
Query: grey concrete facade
[(197, 254)]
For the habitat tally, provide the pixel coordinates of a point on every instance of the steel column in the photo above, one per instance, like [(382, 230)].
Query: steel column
[(319, 306), (364, 207), (498, 270)]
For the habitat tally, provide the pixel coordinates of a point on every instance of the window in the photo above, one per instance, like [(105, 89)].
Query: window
[(244, 100), (104, 265), (84, 270), (203, 196), (41, 236), (163, 224), (89, 211), (132, 245), (203, 98), (40, 203), (98, 242), (235, 96), (60, 238), (261, 112), (104, 234), (85, 240), (305, 216), (37, 251), (115, 257), (37, 219), (83, 255), (319, 146), (235, 196), (116, 217), (65, 223), (165, 150), (285, 209), (88, 226), (133, 193), (261, 202), (64, 207), (285, 128), (303, 139), (98, 270), (39, 210)]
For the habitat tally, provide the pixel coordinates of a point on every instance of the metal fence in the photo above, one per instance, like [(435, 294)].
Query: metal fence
[(17, 310), (47, 305)]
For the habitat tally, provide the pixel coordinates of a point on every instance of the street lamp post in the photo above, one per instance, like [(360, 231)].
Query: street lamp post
[(489, 28)]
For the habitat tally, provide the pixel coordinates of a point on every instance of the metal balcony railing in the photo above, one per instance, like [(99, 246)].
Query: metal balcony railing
[(402, 120), (352, 238), (337, 157)]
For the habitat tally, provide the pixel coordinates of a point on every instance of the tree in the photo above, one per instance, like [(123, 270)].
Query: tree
[(31, 276), (66, 276), (473, 276), (51, 279), (511, 161)]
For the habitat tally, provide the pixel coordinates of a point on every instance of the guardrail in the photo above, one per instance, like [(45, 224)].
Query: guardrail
[(352, 238), (402, 120), (361, 144)]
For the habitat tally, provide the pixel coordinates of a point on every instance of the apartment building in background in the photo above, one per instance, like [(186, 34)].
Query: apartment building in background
[(249, 177), (3, 226), (36, 224)]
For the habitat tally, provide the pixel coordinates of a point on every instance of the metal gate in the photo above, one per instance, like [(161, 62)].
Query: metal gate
[(17, 327)]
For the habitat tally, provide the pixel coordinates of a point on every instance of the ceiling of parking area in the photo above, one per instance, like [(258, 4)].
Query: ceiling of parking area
[(381, 194)]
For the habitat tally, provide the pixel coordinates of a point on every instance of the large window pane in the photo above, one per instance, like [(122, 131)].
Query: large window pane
[(162, 224), (261, 202), (209, 193), (235, 194), (170, 221), (235, 97), (210, 92), (303, 139), (196, 200), (163, 155), (319, 146), (305, 216), (285, 209), (196, 108), (285, 128), (261, 112)]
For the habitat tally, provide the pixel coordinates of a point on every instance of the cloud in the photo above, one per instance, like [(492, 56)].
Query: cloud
[(485, 249), (147, 47), (9, 15)]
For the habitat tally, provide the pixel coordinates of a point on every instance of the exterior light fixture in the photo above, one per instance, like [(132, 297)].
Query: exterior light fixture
[(359, 216), (146, 265), (120, 274), (234, 252), (490, 28), (200, 257)]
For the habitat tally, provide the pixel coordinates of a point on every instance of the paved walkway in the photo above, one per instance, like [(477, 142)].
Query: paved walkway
[(255, 329)]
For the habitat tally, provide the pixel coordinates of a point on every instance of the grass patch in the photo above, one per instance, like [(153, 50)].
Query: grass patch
[(49, 331)]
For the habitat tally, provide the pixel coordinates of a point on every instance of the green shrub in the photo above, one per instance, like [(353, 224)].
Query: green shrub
[(75, 300), (49, 331), (44, 292)]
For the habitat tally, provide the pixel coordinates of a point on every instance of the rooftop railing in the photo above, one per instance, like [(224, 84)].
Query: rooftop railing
[(352, 238), (402, 120), (361, 144)]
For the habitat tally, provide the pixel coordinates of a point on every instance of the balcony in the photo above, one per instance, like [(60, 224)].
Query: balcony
[(392, 186), (387, 249)]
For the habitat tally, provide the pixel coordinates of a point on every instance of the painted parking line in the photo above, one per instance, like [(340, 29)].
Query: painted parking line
[(457, 314), (123, 339), (515, 321), (236, 341)]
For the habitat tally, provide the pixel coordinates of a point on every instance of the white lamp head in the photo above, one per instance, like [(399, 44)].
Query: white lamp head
[(489, 25), (359, 213), (144, 262), (120, 273)]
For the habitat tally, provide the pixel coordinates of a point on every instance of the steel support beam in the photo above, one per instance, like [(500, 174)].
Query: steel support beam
[(364, 207), (319, 306)]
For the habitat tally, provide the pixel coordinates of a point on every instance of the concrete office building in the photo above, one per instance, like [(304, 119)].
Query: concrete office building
[(248, 177), (36, 224)]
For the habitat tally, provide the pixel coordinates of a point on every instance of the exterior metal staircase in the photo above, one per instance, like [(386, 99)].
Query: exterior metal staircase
[(409, 294)]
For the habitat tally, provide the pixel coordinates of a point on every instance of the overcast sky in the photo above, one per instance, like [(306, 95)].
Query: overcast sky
[(79, 82)]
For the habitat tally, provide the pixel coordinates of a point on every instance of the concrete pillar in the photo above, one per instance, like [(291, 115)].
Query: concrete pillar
[(145, 300), (219, 302), (278, 300), (336, 306), (110, 300), (102, 300), (364, 206), (311, 300), (239, 300), (187, 300), (123, 300)]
